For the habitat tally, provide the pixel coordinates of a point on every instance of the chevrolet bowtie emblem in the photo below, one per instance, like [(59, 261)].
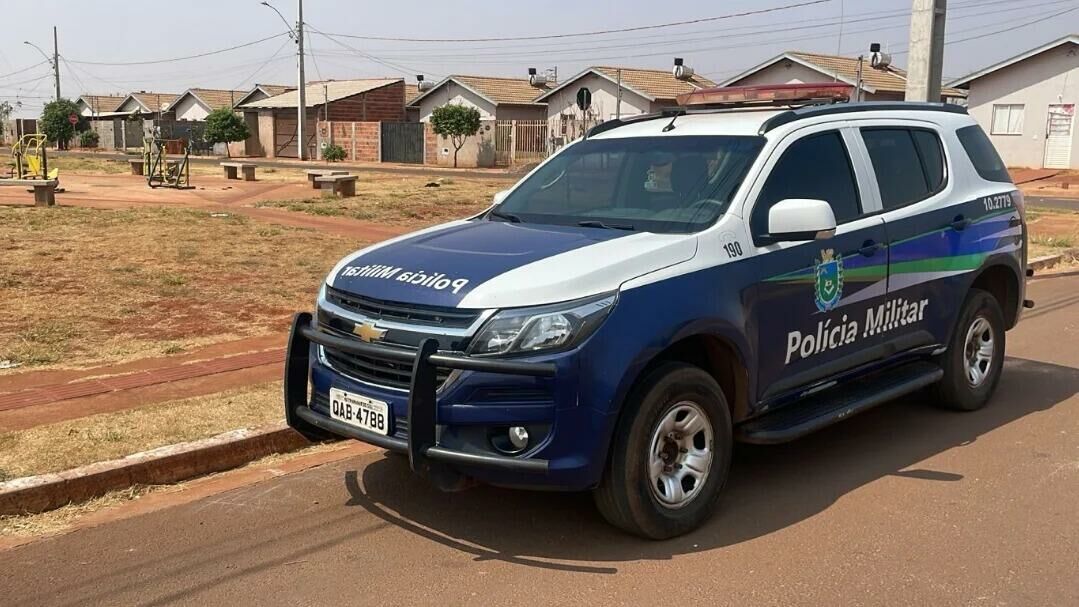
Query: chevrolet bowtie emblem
[(368, 331)]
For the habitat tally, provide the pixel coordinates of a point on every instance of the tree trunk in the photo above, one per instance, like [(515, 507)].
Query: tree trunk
[(455, 150)]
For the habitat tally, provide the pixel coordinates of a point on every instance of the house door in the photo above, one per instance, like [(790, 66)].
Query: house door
[(1058, 136)]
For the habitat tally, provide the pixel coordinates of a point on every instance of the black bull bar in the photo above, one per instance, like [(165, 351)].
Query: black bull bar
[(422, 442)]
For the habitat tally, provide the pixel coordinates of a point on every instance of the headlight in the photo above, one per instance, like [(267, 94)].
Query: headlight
[(557, 326)]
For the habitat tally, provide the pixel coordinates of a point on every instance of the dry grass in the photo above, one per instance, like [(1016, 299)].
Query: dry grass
[(82, 165), (403, 199), (83, 286), (55, 521), (73, 443), (1054, 232)]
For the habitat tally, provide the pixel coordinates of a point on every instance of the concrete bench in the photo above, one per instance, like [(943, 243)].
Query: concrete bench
[(341, 185), (313, 174), (44, 190), (138, 167), (232, 167)]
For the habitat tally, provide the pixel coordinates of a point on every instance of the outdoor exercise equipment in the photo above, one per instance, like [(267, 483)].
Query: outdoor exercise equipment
[(163, 171), (30, 158)]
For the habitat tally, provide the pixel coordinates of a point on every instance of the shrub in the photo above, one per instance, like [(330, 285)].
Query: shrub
[(224, 126), (333, 153), (89, 139)]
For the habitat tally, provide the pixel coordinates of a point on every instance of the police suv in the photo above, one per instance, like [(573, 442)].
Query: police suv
[(753, 266)]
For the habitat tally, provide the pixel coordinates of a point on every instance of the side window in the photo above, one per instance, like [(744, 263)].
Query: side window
[(908, 164), (816, 167), (982, 154), (932, 152)]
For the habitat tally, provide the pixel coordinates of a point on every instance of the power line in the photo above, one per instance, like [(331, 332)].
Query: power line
[(403, 68), (175, 59), (25, 69), (1012, 27), (264, 64), (598, 32)]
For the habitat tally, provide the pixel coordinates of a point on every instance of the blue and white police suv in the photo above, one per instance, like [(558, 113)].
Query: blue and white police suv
[(671, 284)]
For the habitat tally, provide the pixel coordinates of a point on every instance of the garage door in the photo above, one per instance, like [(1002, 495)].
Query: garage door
[(285, 142)]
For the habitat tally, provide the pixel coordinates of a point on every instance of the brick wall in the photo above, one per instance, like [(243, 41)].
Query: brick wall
[(386, 104), (363, 147), (430, 144)]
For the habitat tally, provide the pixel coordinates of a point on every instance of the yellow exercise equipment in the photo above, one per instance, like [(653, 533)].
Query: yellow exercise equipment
[(31, 159)]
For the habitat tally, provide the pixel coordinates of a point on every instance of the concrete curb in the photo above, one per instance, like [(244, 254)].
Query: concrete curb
[(169, 464), (1040, 263)]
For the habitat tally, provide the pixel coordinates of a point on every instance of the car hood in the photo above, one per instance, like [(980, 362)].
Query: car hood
[(490, 264)]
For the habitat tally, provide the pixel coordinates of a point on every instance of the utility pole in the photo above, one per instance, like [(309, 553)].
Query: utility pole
[(56, 61), (927, 18), (301, 84), (618, 98)]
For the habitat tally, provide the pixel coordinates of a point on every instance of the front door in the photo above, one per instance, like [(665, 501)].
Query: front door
[(808, 306), (1058, 136)]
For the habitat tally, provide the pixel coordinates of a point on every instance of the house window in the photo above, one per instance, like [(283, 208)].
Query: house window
[(1008, 119)]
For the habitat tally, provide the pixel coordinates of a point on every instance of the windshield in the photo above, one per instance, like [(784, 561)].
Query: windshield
[(654, 184)]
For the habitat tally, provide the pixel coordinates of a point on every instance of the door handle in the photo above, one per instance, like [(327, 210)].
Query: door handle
[(960, 223), (869, 248), (1014, 222)]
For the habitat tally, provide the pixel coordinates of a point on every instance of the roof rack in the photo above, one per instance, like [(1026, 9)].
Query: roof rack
[(861, 106)]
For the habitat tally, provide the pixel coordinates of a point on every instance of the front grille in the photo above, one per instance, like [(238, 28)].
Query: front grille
[(376, 370), (377, 309)]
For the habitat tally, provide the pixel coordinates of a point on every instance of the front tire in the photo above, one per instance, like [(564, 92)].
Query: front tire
[(670, 455), (975, 357)]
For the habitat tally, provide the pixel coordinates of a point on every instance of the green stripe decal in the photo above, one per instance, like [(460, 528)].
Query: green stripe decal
[(955, 263)]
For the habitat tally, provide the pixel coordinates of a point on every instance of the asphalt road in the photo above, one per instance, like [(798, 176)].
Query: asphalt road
[(1063, 204), (903, 505)]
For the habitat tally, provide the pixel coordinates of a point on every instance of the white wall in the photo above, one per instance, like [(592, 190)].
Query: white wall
[(190, 109), (451, 92), (790, 72), (604, 100), (84, 110), (1049, 78)]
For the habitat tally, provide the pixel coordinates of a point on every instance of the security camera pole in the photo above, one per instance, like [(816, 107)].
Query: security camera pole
[(301, 115), (926, 66)]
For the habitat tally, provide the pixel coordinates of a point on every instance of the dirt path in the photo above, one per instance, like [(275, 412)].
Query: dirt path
[(35, 398)]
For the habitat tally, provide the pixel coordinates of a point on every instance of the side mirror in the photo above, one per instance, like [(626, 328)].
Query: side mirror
[(499, 197), (796, 219)]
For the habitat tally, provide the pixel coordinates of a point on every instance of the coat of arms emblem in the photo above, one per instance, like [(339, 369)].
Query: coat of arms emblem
[(829, 283)]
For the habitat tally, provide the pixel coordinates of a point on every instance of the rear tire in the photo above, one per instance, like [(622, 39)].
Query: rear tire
[(670, 455), (975, 356)]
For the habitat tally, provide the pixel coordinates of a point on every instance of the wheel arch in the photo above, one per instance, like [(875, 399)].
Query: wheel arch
[(1001, 280)]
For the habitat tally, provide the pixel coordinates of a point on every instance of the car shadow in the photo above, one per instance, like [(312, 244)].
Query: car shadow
[(770, 488)]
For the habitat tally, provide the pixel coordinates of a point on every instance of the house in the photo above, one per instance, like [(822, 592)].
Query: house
[(369, 100), (262, 91), (412, 112), (1027, 105), (196, 104), (592, 96), (495, 98), (887, 83), (148, 105), (97, 105)]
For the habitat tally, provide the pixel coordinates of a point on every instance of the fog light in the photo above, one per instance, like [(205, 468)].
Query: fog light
[(518, 436)]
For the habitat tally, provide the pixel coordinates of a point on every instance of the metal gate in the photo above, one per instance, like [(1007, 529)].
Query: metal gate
[(285, 136), (520, 142), (1058, 138), (402, 142)]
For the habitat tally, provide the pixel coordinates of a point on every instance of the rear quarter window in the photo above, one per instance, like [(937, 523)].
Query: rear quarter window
[(982, 154)]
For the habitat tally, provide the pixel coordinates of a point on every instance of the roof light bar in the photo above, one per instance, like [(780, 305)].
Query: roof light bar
[(768, 94)]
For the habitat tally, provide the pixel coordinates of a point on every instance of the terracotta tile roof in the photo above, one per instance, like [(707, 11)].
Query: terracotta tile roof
[(155, 101), (275, 89), (658, 84), (103, 103), (890, 80), (512, 91), (218, 98), (319, 92)]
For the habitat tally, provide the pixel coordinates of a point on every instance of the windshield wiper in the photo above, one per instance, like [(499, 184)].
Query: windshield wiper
[(510, 217), (605, 226)]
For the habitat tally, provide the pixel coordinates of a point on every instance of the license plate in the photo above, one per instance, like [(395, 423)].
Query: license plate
[(360, 411)]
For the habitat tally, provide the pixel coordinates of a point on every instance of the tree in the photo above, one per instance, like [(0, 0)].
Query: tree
[(224, 126), (458, 123), (5, 114), (54, 121)]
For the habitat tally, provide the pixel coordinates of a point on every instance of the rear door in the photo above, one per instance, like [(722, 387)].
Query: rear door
[(806, 308), (930, 241)]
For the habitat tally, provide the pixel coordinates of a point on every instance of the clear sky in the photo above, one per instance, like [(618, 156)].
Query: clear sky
[(95, 34)]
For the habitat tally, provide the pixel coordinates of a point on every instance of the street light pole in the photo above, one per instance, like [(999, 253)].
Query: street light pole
[(56, 61), (301, 85)]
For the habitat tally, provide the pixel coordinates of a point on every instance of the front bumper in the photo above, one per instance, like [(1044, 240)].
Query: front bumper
[(421, 444)]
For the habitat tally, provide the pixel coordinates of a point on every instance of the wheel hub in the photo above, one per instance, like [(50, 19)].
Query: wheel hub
[(680, 457), (978, 351)]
